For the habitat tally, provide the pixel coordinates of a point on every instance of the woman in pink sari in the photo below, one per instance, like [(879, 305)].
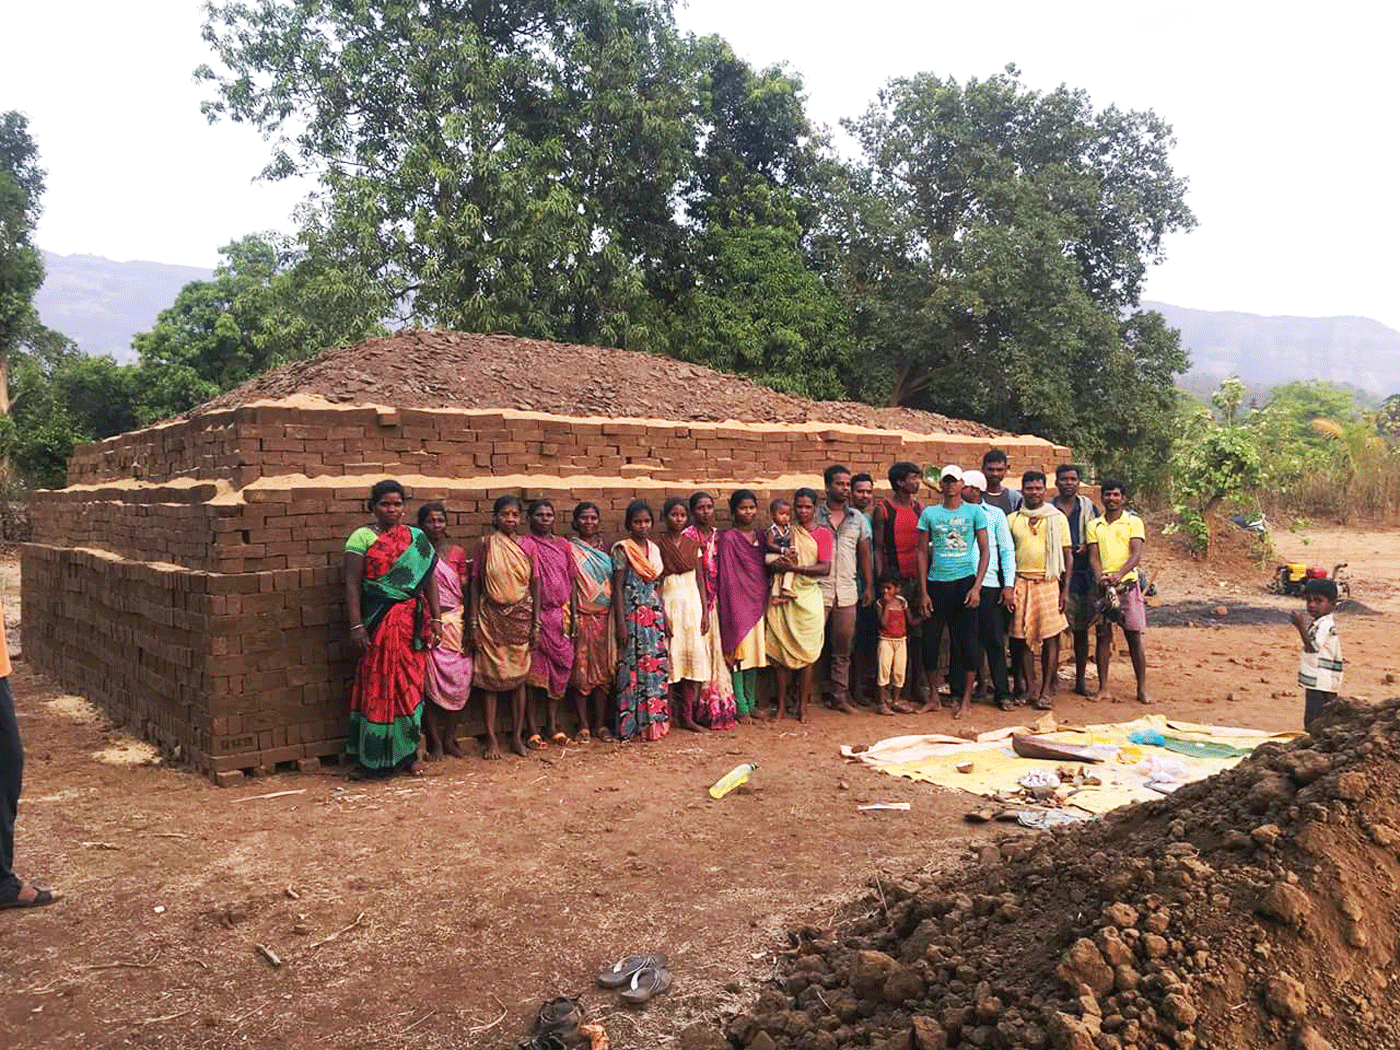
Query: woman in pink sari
[(553, 659), (714, 706), (448, 683)]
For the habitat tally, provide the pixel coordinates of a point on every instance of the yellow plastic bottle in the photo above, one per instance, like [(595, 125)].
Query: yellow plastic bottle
[(737, 776)]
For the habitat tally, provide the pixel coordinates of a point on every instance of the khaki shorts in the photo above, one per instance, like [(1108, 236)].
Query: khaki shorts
[(893, 657)]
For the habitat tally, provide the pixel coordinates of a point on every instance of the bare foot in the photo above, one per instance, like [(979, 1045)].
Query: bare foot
[(1081, 688), (433, 754), (884, 709), (1102, 696), (454, 749), (963, 708), (926, 707), (1044, 702), (903, 708), (604, 735), (691, 726), (1143, 698), (802, 713), (518, 746), (845, 708), (745, 719)]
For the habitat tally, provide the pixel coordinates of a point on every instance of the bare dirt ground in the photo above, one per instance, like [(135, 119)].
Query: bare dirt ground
[(458, 899)]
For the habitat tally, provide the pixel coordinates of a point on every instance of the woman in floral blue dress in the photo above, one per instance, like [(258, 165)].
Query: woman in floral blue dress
[(643, 635)]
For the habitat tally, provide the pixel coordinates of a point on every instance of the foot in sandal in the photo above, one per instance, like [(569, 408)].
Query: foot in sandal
[(30, 896)]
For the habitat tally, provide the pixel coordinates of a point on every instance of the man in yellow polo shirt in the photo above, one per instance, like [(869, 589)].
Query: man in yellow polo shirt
[(13, 892), (1115, 548)]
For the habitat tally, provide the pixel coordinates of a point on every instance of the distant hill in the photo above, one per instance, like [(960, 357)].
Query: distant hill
[(1265, 351), (101, 304)]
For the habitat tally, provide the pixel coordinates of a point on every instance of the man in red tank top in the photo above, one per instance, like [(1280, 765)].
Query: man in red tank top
[(895, 525)]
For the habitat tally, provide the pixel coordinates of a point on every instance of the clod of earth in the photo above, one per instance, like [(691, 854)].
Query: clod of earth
[(1151, 928)]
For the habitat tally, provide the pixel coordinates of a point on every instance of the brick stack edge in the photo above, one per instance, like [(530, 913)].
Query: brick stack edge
[(188, 579)]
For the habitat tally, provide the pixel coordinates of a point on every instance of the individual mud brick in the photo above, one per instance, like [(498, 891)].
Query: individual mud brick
[(229, 778)]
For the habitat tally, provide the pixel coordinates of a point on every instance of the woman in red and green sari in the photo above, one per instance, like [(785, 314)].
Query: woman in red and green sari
[(388, 581)]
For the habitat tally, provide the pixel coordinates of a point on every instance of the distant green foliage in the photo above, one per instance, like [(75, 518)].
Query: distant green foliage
[(1219, 464), (266, 304), (60, 397)]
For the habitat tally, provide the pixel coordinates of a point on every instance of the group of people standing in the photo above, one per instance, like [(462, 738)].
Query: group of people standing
[(671, 624)]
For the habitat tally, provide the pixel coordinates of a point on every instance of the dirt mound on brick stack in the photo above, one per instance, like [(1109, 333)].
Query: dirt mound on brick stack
[(1254, 909), (461, 370)]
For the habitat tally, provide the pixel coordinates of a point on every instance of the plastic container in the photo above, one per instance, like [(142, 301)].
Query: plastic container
[(736, 777)]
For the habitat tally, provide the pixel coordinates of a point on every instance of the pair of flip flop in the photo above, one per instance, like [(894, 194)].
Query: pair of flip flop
[(639, 977)]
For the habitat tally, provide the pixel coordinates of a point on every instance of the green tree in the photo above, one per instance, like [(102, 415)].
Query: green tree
[(21, 265), (1219, 464), (993, 243), (576, 170), (1228, 400), (59, 397), (266, 304), (495, 166)]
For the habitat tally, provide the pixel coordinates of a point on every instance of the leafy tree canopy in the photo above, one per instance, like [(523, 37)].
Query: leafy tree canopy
[(993, 242), (21, 265), (564, 170)]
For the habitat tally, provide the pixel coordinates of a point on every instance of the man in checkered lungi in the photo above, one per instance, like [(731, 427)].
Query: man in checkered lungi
[(1043, 560)]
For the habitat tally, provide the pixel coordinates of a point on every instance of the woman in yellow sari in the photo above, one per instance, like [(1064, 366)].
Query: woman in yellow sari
[(505, 620), (796, 626)]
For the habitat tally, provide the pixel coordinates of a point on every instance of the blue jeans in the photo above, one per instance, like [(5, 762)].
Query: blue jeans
[(11, 776)]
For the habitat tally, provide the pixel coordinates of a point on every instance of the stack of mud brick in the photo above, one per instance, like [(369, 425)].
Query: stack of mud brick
[(188, 578)]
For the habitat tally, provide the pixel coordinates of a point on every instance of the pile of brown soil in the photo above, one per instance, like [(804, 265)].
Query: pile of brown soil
[(435, 369), (1254, 909)]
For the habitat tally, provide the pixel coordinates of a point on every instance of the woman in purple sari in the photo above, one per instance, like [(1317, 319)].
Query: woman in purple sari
[(553, 659), (743, 554), (448, 683)]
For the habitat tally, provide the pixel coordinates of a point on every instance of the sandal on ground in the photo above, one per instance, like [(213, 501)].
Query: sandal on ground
[(605, 736), (559, 1018), (646, 984), (562, 739), (622, 972), (535, 743), (1043, 704), (41, 899), (584, 737), (1006, 703)]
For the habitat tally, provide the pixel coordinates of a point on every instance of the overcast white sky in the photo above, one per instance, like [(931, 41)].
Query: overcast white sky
[(1284, 116)]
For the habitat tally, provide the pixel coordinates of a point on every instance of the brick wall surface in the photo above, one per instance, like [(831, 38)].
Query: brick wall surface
[(239, 445), (189, 577)]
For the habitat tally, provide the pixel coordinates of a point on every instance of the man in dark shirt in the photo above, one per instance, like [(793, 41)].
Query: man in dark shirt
[(1081, 609), (994, 468)]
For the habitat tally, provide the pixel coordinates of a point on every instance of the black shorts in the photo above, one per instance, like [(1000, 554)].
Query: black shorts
[(947, 598), (1314, 700)]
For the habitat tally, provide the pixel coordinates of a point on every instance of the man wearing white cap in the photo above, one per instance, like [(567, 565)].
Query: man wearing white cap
[(998, 588), (953, 563)]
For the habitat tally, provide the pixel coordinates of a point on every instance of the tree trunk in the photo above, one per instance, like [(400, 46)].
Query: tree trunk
[(4, 385)]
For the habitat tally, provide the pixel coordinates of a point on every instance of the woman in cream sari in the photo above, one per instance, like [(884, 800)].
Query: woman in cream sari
[(796, 627)]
